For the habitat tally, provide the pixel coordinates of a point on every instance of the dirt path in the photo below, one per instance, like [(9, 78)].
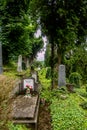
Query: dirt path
[(44, 118)]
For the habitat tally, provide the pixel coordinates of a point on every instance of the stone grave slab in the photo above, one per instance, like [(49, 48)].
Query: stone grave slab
[(24, 107)]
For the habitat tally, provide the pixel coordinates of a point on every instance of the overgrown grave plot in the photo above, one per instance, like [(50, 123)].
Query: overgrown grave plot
[(7, 84), (65, 110), (9, 87), (67, 114), (25, 107), (8, 94)]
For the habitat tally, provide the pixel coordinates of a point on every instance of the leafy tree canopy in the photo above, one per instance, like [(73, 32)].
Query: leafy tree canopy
[(17, 29)]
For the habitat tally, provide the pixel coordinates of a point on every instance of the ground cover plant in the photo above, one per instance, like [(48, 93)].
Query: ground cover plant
[(67, 114), (65, 109), (7, 84)]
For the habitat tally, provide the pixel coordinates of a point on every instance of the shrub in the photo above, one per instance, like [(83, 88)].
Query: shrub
[(48, 73), (86, 87), (84, 105), (75, 78)]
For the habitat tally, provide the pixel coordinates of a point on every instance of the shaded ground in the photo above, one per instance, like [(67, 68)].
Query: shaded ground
[(44, 117)]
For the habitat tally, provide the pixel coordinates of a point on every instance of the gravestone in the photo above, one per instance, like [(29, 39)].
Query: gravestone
[(1, 68), (35, 76), (28, 82), (62, 76), (19, 68), (27, 63)]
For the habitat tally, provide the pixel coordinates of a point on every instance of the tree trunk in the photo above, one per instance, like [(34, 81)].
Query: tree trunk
[(52, 64), (1, 68), (59, 59)]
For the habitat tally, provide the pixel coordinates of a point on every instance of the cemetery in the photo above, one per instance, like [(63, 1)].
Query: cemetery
[(29, 103), (28, 100), (43, 65)]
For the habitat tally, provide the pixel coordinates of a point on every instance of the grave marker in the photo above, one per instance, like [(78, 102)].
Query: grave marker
[(19, 69), (27, 63), (35, 76), (28, 82), (61, 76)]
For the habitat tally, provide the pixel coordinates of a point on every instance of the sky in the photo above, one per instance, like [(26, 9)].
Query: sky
[(40, 55)]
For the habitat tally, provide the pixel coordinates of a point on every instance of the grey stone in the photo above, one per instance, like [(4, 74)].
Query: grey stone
[(24, 107), (30, 82), (19, 68), (35, 76), (62, 76), (27, 63)]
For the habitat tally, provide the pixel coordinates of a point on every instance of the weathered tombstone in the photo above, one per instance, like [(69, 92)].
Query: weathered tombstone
[(62, 76), (35, 76), (27, 63), (28, 82), (19, 68), (1, 67)]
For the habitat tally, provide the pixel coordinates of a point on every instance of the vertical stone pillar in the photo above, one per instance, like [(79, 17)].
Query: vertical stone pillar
[(19, 68), (61, 76)]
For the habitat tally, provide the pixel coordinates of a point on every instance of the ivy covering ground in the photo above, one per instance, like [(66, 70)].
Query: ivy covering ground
[(65, 109), (66, 113)]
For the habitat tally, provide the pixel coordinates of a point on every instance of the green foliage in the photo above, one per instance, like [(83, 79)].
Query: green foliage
[(48, 73), (84, 105), (66, 114), (11, 126), (47, 55), (45, 85), (75, 78), (83, 95), (38, 63), (62, 22), (17, 30), (86, 87), (76, 61)]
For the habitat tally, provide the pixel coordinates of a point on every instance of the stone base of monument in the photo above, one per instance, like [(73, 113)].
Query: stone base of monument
[(25, 110)]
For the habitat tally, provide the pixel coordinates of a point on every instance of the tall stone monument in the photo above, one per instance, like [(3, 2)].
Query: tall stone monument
[(27, 63), (19, 68), (1, 67), (61, 76)]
